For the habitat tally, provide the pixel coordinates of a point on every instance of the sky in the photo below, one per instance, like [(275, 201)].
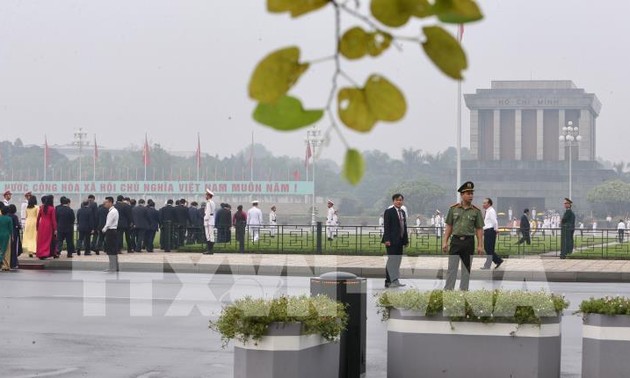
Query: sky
[(120, 69)]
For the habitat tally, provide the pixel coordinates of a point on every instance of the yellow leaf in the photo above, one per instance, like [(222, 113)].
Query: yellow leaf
[(276, 74), (353, 166), (295, 7), (397, 12), (385, 101), (353, 44), (378, 42), (457, 11), (354, 111), (444, 51)]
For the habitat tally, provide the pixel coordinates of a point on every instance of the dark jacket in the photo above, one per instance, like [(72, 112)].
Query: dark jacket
[(125, 218), (196, 220), (65, 218), (101, 217), (392, 232), (140, 217), (154, 218), (167, 214), (85, 219), (94, 207), (181, 215), (524, 225)]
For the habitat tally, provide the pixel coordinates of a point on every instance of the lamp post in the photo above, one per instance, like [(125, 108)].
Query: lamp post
[(570, 137), (313, 139), (80, 140)]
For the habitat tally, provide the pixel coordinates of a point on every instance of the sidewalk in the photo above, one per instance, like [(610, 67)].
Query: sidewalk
[(429, 267)]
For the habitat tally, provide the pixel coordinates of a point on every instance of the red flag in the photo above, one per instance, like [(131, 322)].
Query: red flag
[(198, 154), (309, 153), (46, 152), (296, 175), (95, 149), (145, 152)]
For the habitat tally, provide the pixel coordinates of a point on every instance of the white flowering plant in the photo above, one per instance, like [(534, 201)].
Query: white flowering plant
[(606, 306), (485, 306), (248, 318)]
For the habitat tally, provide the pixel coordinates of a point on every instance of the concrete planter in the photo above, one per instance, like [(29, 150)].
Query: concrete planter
[(440, 348), (286, 353), (605, 346)]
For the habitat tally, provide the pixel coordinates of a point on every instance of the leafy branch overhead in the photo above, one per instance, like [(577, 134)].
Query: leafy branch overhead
[(359, 108)]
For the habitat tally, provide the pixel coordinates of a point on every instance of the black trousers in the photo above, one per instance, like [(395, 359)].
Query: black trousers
[(84, 241), (111, 242), (139, 233), (489, 242), (149, 236), (68, 236), (525, 237)]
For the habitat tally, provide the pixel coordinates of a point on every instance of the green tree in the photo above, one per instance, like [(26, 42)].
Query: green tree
[(611, 197)]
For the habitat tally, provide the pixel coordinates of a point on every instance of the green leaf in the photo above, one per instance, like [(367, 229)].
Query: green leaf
[(276, 74), (353, 166), (444, 51), (457, 11), (397, 12), (353, 44), (354, 111), (286, 114), (295, 7), (385, 100), (378, 42)]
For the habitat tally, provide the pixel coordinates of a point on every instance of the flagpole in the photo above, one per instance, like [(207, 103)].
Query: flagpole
[(198, 155), (459, 120), (251, 160), (146, 155), (95, 153), (45, 155)]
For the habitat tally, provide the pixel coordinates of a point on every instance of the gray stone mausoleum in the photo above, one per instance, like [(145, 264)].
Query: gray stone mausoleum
[(517, 156)]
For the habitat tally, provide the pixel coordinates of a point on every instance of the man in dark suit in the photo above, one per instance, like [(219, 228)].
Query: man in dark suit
[(395, 237), (101, 219), (182, 220), (154, 224), (125, 222), (141, 223), (167, 221), (524, 228), (85, 226), (94, 208), (65, 226)]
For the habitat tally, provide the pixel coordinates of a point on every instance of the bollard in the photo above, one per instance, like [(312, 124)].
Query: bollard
[(350, 290), (318, 238)]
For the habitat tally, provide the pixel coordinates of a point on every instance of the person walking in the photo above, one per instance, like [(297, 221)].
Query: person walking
[(254, 220), (490, 231), (395, 238), (47, 229), (621, 228), (6, 231), (567, 227), (111, 235), (208, 222), (29, 242), (524, 228), (239, 220), (330, 220), (463, 222), (85, 226), (273, 222), (65, 226)]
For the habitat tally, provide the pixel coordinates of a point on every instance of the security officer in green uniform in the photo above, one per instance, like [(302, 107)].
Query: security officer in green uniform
[(463, 222)]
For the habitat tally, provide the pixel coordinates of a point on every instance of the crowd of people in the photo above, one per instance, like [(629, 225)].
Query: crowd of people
[(43, 230)]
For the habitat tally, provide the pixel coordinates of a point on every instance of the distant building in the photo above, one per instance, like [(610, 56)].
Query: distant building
[(517, 156)]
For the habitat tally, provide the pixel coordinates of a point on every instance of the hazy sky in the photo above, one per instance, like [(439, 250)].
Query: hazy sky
[(172, 68)]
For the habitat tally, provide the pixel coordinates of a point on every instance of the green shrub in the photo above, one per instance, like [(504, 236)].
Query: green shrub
[(248, 318), (521, 307), (606, 306)]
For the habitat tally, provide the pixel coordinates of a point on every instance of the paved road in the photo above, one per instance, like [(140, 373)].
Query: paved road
[(86, 323)]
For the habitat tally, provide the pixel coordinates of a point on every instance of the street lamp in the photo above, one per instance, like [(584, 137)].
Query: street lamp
[(570, 137), (80, 140), (313, 140)]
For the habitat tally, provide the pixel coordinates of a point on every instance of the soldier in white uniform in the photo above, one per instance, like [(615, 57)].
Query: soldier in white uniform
[(330, 219), (439, 223), (23, 207), (335, 223), (254, 220), (273, 224), (208, 221)]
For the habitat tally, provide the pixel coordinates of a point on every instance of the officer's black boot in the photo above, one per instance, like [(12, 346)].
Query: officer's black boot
[(210, 246)]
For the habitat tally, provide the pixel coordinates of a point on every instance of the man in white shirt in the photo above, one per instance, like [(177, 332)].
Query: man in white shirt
[(330, 220), (490, 231), (254, 220), (621, 228), (111, 234), (273, 223), (208, 222)]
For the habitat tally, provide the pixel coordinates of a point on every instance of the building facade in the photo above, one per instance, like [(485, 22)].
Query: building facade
[(517, 155)]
